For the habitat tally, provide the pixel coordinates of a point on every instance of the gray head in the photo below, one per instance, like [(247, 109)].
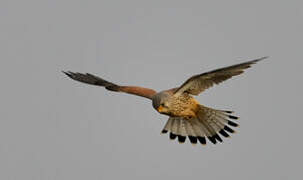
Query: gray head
[(161, 101)]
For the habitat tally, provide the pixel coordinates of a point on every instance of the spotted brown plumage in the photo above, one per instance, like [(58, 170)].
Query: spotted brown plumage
[(188, 119)]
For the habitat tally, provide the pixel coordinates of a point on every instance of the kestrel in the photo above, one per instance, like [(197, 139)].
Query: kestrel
[(187, 117)]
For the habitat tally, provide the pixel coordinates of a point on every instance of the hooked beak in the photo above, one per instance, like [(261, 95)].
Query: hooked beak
[(160, 109)]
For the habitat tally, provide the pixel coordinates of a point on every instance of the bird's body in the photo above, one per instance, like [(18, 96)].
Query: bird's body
[(187, 117), (181, 106)]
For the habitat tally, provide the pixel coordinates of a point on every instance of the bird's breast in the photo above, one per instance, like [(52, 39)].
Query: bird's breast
[(185, 106)]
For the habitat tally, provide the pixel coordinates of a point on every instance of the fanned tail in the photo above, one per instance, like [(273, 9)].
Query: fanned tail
[(209, 123)]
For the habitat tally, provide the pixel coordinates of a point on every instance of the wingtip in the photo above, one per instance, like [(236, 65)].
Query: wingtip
[(68, 73), (265, 57), (260, 59)]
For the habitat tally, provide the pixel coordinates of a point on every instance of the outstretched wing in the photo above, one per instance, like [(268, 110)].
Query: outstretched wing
[(95, 80), (198, 83)]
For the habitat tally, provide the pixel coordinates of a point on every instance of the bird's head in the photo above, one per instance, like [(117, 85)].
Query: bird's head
[(161, 102)]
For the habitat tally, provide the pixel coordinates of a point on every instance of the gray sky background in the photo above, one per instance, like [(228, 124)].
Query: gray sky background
[(54, 128)]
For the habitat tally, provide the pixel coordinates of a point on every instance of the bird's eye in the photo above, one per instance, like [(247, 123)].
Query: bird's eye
[(163, 104)]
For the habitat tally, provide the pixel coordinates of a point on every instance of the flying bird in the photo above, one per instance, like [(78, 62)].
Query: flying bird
[(187, 117)]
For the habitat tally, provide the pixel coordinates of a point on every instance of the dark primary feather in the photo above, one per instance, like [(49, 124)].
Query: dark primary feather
[(90, 79), (95, 80), (198, 83)]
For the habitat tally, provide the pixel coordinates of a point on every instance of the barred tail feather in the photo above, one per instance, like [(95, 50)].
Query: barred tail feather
[(209, 123)]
